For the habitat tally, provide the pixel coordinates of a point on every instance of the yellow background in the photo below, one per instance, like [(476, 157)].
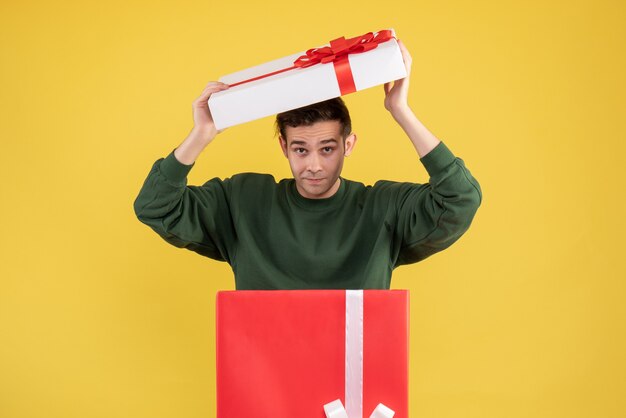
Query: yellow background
[(522, 317)]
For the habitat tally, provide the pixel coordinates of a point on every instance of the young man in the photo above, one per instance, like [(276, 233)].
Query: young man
[(317, 230)]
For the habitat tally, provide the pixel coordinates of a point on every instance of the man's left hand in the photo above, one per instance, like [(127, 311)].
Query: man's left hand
[(396, 97)]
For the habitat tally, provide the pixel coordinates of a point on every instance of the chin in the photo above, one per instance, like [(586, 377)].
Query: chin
[(315, 193)]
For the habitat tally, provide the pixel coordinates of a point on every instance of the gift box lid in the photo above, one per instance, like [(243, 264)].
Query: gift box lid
[(299, 87)]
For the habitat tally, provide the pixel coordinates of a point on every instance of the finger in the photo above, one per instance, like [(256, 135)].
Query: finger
[(403, 47), (406, 55), (213, 89), (387, 87), (208, 90), (213, 85)]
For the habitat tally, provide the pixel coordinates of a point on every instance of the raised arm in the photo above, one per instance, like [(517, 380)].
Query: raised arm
[(431, 216), (194, 217), (204, 130), (396, 102)]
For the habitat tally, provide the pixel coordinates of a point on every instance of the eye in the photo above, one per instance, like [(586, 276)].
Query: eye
[(327, 150), (299, 150)]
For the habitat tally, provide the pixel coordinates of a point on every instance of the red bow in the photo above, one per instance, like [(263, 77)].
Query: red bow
[(341, 46), (337, 53)]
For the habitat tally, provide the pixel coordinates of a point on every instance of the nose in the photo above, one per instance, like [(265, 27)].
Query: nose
[(314, 163)]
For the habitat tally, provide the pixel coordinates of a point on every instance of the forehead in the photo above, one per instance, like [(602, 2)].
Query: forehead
[(316, 132)]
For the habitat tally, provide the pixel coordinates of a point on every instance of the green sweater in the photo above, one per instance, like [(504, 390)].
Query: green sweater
[(274, 238)]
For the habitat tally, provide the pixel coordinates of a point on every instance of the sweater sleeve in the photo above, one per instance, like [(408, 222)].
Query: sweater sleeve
[(432, 216), (197, 218)]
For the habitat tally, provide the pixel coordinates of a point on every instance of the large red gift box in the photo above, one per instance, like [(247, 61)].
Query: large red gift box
[(287, 353)]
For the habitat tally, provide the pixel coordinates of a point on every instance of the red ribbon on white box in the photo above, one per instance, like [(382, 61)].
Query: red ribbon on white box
[(337, 53), (354, 365)]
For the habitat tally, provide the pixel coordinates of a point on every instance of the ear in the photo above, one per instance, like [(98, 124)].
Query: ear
[(283, 144), (350, 142)]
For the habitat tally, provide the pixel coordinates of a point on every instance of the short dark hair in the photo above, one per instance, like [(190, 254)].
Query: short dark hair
[(333, 109)]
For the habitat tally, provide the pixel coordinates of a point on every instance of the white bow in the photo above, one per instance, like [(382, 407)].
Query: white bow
[(335, 409)]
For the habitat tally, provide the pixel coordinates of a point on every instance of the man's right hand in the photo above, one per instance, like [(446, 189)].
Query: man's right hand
[(203, 130), (202, 119)]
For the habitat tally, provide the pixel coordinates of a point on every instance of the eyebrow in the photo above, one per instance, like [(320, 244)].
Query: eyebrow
[(324, 141)]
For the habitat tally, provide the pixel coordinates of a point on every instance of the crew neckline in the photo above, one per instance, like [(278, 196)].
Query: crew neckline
[(317, 204)]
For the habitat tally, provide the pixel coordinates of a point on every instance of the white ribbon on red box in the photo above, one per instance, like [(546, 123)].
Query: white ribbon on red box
[(354, 365)]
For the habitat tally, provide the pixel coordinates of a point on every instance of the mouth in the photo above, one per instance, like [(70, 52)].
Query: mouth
[(314, 181)]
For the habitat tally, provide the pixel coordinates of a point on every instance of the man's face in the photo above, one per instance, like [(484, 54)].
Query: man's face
[(315, 155)]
